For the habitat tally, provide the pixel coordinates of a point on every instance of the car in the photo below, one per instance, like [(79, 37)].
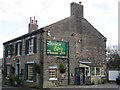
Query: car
[(118, 79)]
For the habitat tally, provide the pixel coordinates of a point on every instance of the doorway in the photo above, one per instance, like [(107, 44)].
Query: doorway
[(17, 71), (77, 76), (82, 75)]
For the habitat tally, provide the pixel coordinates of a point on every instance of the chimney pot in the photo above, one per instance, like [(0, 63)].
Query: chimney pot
[(36, 21), (80, 2), (30, 19), (32, 25)]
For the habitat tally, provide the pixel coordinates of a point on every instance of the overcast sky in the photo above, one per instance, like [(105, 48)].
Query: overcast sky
[(15, 14)]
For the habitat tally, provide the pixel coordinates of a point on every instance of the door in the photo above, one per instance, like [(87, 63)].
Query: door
[(77, 75), (82, 75), (17, 69)]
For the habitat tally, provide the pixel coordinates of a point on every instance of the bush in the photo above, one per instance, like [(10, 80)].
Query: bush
[(14, 80)]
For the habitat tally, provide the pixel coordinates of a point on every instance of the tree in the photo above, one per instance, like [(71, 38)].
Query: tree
[(113, 58)]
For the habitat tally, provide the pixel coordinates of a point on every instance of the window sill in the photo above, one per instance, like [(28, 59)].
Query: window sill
[(53, 79), (7, 78), (8, 57), (18, 55), (30, 54), (29, 81)]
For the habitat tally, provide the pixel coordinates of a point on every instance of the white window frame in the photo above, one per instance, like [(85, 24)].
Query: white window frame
[(30, 72), (17, 68), (18, 49), (30, 62), (53, 67), (93, 71), (9, 54), (31, 46)]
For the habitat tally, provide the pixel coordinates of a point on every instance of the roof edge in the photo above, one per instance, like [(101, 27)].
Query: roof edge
[(95, 29), (25, 35)]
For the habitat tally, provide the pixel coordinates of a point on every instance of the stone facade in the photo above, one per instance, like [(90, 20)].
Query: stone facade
[(85, 48)]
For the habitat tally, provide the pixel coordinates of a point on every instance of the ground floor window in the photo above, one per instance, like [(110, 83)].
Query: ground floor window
[(8, 71), (92, 71), (97, 70), (52, 73), (30, 72), (102, 71)]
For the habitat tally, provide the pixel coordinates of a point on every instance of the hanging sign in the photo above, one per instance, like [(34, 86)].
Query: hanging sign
[(55, 47)]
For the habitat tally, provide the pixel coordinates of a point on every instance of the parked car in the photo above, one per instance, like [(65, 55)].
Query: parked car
[(118, 79)]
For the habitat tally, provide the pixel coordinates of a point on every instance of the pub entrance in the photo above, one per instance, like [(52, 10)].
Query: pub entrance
[(84, 74)]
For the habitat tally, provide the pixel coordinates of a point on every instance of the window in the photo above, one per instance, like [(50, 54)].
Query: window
[(52, 73), (31, 45), (18, 51), (102, 71), (92, 71), (97, 71), (9, 51), (8, 71), (30, 72), (87, 71)]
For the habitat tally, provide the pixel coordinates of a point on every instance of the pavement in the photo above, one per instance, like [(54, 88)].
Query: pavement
[(113, 85), (108, 86)]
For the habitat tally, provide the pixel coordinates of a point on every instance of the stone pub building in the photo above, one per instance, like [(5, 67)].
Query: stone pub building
[(68, 52)]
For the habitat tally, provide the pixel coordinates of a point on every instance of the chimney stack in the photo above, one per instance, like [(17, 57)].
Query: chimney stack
[(32, 26), (77, 10)]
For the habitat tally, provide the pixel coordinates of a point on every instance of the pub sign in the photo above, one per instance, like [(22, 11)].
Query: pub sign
[(55, 47)]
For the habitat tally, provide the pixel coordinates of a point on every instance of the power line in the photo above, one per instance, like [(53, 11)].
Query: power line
[(45, 8)]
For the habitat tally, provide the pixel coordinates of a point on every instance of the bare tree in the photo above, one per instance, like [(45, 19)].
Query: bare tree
[(113, 58)]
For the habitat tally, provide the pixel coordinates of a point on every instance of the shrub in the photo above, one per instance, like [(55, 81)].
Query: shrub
[(14, 80)]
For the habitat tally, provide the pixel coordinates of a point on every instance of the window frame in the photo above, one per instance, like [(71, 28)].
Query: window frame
[(53, 73), (9, 49), (31, 45), (93, 71), (98, 73), (18, 48), (26, 74)]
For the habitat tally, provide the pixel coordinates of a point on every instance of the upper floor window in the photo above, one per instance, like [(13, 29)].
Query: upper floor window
[(9, 51), (18, 50), (31, 45)]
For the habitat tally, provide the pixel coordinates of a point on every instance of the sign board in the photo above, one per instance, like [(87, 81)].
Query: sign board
[(55, 48), (112, 75)]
